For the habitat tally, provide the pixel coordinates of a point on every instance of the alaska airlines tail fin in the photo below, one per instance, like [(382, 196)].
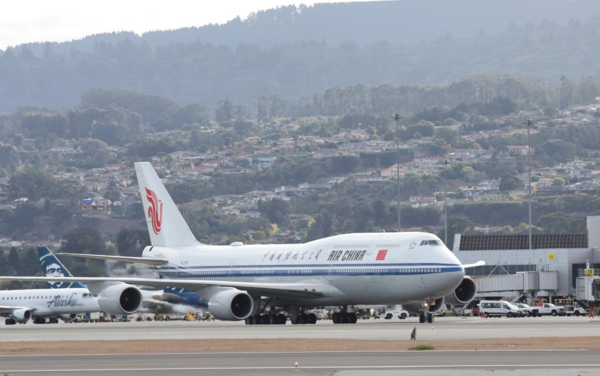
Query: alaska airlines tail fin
[(51, 267), (166, 225)]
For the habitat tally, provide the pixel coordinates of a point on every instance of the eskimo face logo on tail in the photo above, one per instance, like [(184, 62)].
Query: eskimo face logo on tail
[(154, 210)]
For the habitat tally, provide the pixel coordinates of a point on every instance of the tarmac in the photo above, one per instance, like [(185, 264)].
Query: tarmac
[(467, 363), (324, 363), (445, 328)]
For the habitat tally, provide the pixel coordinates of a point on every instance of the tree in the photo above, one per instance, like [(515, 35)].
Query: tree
[(343, 165), (97, 152), (18, 140), (558, 181), (131, 242), (225, 111), (509, 182), (275, 210), (83, 240), (14, 259), (557, 223), (457, 224)]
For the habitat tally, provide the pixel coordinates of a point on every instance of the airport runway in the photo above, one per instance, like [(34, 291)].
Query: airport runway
[(325, 363), (446, 328)]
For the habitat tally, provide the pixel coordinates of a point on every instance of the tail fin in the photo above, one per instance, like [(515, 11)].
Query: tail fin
[(52, 267), (166, 225)]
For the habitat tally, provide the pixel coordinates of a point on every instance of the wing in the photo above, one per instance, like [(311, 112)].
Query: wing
[(138, 260), (478, 263), (7, 310), (284, 290)]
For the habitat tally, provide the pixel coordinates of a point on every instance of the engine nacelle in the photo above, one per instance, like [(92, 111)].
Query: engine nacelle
[(231, 304), (436, 305), (463, 294), (21, 315), (120, 299)]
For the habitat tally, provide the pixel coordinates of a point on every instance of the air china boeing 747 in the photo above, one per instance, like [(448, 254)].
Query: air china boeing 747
[(270, 283)]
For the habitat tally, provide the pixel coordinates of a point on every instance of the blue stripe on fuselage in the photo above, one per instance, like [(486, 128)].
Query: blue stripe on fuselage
[(346, 271), (377, 265)]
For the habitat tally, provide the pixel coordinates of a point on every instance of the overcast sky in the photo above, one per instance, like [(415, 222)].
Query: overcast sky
[(62, 20)]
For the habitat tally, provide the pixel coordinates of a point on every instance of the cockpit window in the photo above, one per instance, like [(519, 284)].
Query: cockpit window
[(430, 242)]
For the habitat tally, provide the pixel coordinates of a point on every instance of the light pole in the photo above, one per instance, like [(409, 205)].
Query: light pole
[(445, 203), (398, 117), (529, 124)]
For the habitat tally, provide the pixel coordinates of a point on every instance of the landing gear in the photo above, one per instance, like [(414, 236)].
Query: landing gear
[(304, 318), (425, 317), (267, 319), (344, 317), (430, 318), (10, 322), (39, 320)]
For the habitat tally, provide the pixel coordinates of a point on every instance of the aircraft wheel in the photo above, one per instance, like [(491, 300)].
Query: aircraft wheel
[(352, 318), (421, 318), (281, 319), (336, 318), (312, 318), (430, 318), (343, 318)]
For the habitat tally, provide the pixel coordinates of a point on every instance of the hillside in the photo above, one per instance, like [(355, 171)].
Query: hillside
[(201, 68)]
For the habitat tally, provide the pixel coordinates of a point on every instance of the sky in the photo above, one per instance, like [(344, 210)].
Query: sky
[(27, 21)]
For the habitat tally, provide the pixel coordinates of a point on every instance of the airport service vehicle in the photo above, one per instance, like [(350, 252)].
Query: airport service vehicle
[(572, 307), (498, 308), (396, 311), (246, 282), (526, 310), (575, 310), (550, 309)]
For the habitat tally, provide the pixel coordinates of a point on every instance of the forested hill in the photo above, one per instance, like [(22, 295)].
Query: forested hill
[(199, 72), (398, 22)]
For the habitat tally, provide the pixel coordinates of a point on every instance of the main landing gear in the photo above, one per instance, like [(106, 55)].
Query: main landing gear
[(426, 317), (304, 318), (10, 321), (344, 317), (267, 319)]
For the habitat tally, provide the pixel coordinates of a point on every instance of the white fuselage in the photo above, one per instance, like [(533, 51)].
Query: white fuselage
[(49, 303), (369, 268)]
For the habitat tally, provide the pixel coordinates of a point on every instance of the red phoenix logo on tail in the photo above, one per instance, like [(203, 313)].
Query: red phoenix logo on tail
[(154, 210)]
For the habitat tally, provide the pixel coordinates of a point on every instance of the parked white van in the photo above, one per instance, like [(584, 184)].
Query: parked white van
[(498, 308)]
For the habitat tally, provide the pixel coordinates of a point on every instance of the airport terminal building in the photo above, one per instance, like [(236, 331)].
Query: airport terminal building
[(549, 270)]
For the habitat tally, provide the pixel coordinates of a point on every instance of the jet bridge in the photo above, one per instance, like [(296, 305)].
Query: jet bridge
[(588, 286), (532, 282)]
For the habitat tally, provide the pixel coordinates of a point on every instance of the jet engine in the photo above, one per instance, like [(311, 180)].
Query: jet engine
[(231, 305), (21, 315), (120, 299), (463, 294)]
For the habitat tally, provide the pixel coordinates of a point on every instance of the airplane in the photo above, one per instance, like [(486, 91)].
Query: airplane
[(273, 282), (169, 300), (69, 298)]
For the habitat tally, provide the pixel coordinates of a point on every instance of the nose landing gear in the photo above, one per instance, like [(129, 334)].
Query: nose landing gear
[(426, 317)]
